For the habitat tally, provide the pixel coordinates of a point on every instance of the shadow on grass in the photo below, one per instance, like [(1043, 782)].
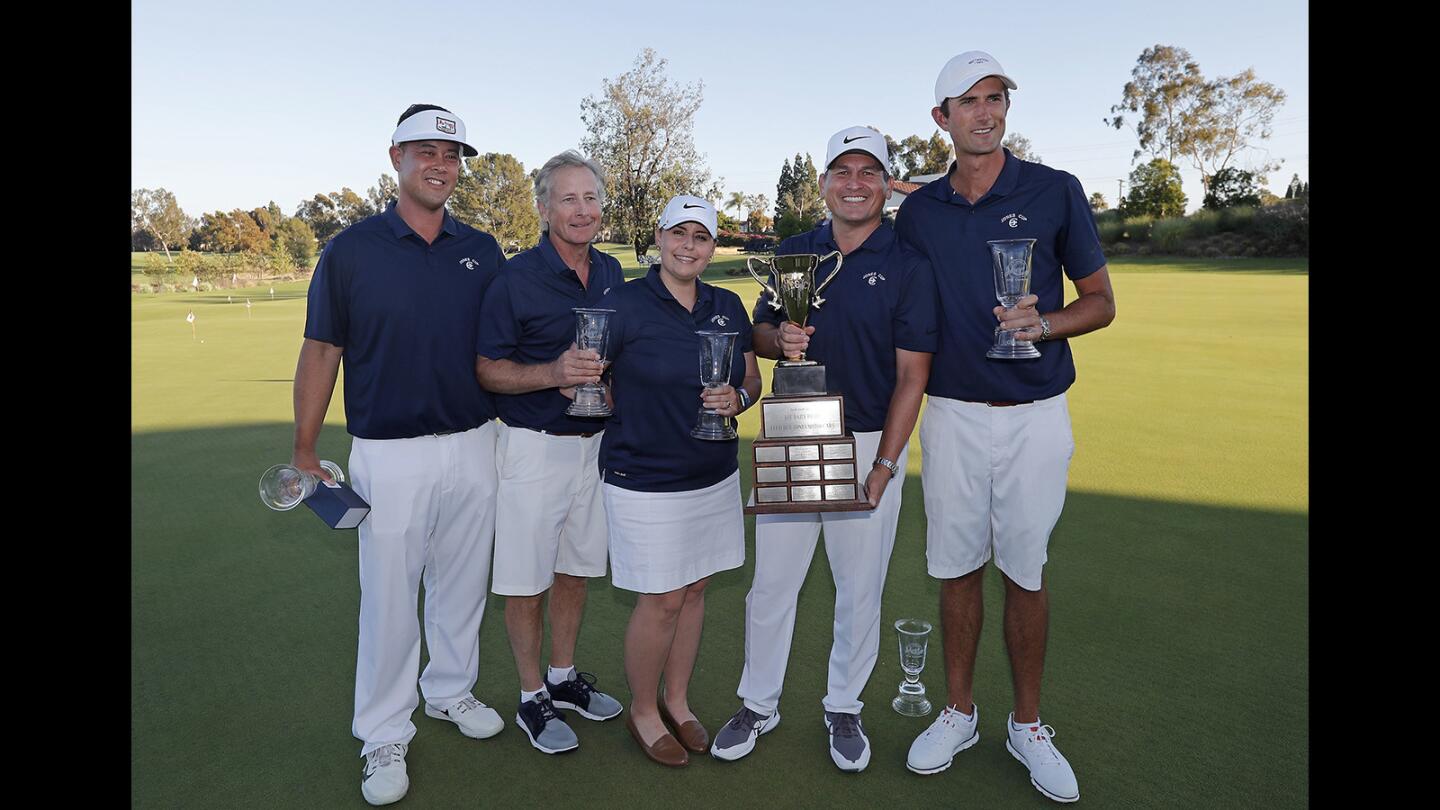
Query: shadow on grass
[(1175, 627)]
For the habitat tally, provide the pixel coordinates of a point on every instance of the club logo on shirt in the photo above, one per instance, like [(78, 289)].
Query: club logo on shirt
[(445, 125), (873, 277), (470, 264), (605, 291), (1014, 220), (719, 320)]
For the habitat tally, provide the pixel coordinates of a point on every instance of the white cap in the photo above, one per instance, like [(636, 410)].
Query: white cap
[(963, 71), (858, 139), (434, 125), (686, 208)]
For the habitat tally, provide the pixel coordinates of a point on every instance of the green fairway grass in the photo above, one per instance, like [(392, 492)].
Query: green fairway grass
[(1178, 581)]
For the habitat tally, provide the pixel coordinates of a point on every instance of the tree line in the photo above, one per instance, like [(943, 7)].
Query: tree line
[(640, 128)]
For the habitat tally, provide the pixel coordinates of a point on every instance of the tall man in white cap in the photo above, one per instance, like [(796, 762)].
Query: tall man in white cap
[(996, 434), (397, 297), (550, 535), (875, 334)]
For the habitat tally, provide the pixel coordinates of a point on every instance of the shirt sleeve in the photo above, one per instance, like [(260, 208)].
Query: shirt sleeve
[(326, 316), (915, 322), (497, 338), (742, 340), (1079, 243)]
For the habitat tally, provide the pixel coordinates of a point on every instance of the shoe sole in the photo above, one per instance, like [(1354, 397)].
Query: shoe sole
[(1043, 791), (974, 738), (439, 715), (538, 746), (745, 748), (565, 704)]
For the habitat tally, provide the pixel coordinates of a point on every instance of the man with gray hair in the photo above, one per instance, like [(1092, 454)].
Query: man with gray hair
[(550, 531)]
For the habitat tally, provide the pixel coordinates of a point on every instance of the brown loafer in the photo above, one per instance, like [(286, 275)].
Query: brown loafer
[(691, 734), (666, 750)]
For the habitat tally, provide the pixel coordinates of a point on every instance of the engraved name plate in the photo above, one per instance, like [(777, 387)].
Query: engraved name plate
[(804, 452), (807, 472), (839, 492), (764, 455), (769, 475), (805, 493), (770, 494), (837, 451), (798, 420), (844, 472)]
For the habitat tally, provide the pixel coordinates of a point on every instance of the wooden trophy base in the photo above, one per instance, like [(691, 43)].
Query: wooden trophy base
[(811, 466)]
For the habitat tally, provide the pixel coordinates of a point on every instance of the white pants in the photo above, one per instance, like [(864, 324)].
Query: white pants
[(858, 545), (432, 511), (549, 515), (994, 480)]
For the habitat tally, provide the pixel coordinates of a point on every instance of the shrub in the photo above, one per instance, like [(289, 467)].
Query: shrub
[(1137, 229), (168, 287), (1204, 223), (1110, 229), (1170, 233), (145, 288), (206, 286)]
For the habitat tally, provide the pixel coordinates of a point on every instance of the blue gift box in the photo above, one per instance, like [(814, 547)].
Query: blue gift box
[(338, 505)]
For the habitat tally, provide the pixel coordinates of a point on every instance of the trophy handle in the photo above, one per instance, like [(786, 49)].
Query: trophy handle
[(839, 260), (764, 285)]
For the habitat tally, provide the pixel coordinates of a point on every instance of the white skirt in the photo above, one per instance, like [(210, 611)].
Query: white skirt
[(661, 541)]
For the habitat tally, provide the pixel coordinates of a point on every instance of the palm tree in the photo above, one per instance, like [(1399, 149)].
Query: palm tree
[(736, 200)]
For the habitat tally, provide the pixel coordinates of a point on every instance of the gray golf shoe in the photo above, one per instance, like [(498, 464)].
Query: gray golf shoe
[(545, 727)]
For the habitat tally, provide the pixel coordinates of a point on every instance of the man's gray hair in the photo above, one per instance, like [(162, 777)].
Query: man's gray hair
[(544, 177)]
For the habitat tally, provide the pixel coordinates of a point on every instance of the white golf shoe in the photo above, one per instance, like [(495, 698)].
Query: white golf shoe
[(936, 747), (1050, 772)]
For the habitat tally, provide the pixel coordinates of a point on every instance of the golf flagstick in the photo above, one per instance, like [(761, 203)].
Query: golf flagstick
[(190, 319)]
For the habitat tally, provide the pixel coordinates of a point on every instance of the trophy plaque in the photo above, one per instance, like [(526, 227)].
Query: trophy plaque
[(802, 460)]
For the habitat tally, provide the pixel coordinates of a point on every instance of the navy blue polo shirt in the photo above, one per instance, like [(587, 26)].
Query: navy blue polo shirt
[(655, 379), (882, 299), (527, 318), (1028, 200), (407, 314)]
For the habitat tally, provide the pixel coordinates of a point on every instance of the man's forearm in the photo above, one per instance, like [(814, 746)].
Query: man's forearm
[(510, 377), (765, 341), (315, 375), (1086, 313)]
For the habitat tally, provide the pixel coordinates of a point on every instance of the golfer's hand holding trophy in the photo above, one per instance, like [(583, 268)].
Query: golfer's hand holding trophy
[(285, 486)]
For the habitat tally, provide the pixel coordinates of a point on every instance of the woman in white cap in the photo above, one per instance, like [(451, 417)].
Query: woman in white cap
[(672, 501)]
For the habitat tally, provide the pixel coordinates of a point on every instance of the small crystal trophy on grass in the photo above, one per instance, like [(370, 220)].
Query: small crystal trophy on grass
[(914, 640)]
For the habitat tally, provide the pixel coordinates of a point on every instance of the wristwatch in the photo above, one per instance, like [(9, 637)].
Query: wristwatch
[(1044, 328), (881, 461)]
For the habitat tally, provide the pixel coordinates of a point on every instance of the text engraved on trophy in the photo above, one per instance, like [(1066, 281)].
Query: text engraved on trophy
[(805, 493), (805, 452), (770, 475), (838, 451), (841, 472), (770, 495), (793, 420), (769, 455), (839, 492), (806, 472)]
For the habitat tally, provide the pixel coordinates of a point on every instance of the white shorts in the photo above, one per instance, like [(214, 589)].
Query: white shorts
[(661, 541), (549, 517), (994, 480)]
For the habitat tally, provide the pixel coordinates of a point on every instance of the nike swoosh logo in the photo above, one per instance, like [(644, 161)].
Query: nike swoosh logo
[(688, 205), (856, 138)]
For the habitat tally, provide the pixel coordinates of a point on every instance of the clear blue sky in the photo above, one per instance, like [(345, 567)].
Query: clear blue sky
[(236, 105)]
